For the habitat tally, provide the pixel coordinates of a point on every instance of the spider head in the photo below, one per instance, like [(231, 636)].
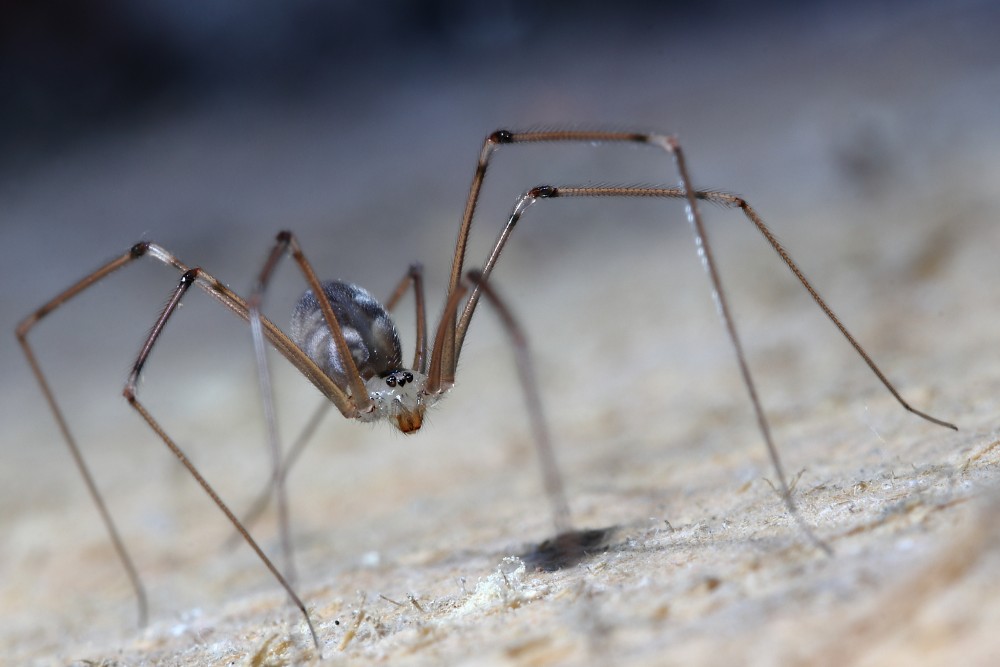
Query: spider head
[(399, 397)]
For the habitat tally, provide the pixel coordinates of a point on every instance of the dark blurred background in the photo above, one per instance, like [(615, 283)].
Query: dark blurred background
[(68, 69), (71, 68)]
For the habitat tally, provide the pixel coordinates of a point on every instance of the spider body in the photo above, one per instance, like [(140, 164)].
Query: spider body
[(397, 394), (344, 341)]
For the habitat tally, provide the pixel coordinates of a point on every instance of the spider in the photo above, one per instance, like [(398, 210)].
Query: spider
[(344, 341)]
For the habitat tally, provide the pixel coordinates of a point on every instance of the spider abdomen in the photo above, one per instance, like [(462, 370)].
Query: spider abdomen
[(369, 331)]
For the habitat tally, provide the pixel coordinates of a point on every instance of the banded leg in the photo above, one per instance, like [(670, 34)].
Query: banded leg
[(701, 240), (23, 329), (437, 382), (285, 243), (234, 303), (453, 343), (130, 392), (551, 477), (691, 196)]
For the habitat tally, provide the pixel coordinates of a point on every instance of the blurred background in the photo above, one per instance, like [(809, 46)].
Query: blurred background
[(866, 133), (77, 69)]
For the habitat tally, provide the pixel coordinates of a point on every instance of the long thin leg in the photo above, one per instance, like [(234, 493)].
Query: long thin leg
[(414, 278), (130, 392), (271, 422), (284, 243), (545, 192), (263, 498), (701, 240), (22, 336), (233, 302), (704, 249), (279, 468), (275, 336), (722, 199), (441, 373), (669, 144), (551, 477), (437, 382), (453, 343)]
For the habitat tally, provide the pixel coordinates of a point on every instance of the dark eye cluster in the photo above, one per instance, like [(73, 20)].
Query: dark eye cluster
[(399, 378)]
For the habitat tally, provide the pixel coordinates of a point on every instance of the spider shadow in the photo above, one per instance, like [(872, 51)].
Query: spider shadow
[(569, 549)]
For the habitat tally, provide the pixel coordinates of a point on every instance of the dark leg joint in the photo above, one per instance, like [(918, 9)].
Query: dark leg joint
[(502, 137), (189, 277), (139, 249), (543, 192), (44, 310)]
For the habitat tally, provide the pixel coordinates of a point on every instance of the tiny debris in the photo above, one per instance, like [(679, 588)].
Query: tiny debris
[(265, 655), (352, 631), (505, 589)]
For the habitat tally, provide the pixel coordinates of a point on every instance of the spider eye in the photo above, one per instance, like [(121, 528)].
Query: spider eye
[(391, 380), (408, 377)]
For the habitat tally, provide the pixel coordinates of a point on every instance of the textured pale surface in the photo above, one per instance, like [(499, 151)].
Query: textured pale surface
[(652, 427)]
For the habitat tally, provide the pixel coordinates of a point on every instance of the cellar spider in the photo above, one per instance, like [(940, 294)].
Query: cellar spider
[(344, 342)]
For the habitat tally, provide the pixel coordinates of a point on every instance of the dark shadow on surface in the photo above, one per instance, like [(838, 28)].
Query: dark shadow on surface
[(569, 549)]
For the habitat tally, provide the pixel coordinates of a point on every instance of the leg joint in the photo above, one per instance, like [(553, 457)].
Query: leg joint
[(190, 276)]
